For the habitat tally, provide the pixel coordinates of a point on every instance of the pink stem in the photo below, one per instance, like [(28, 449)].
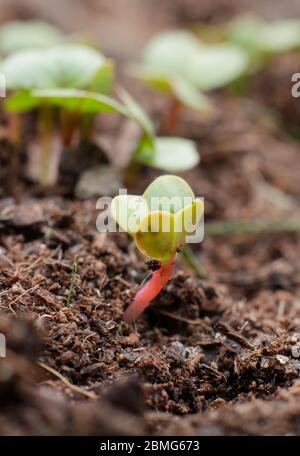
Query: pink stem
[(149, 291)]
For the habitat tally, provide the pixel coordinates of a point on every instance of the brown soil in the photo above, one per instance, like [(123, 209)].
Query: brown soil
[(209, 357)]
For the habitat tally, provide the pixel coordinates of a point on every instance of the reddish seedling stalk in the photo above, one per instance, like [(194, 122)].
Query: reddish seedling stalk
[(149, 291), (171, 118), (70, 122)]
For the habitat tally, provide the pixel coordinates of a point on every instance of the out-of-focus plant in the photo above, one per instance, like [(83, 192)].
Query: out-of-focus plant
[(19, 35), (159, 222), (178, 64), (68, 86), (261, 39), (64, 66)]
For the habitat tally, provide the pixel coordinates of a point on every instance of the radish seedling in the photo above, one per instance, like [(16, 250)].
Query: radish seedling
[(167, 153), (159, 222), (65, 66), (183, 67), (263, 39), (76, 82)]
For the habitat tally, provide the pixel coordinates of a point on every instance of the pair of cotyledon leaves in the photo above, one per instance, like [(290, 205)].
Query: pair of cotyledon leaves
[(79, 78), (161, 219), (178, 62), (257, 35)]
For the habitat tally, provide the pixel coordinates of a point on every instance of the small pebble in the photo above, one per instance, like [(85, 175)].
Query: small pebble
[(179, 347), (131, 356), (282, 359), (295, 338), (295, 351), (296, 365)]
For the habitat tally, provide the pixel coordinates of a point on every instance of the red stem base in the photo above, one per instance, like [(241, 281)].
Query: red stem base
[(149, 291)]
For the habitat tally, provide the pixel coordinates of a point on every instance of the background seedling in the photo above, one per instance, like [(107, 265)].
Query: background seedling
[(263, 40), (158, 234), (167, 153), (260, 40), (178, 64), (65, 66), (64, 84)]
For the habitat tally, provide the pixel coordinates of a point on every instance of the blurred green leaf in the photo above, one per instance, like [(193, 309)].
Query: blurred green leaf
[(170, 154), (215, 66), (70, 99), (258, 36), (137, 113), (28, 69), (178, 63), (171, 50), (168, 82), (281, 36), (104, 79), (65, 66), (19, 35), (80, 100), (22, 101), (189, 96), (83, 102), (245, 30), (157, 77)]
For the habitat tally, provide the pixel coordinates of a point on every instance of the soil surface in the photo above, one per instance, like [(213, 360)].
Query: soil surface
[(218, 355)]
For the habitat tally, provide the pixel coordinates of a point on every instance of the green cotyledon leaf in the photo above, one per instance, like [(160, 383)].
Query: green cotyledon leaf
[(168, 193), (171, 50), (137, 113), (19, 35), (186, 221), (63, 66), (256, 35), (82, 101), (216, 65), (155, 236), (128, 211), (170, 154)]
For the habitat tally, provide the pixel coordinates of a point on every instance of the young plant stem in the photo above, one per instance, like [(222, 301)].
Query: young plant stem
[(149, 291), (14, 129), (70, 121), (46, 138), (171, 118), (234, 227)]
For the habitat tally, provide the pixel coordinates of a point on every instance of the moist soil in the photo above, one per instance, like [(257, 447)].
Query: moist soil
[(216, 355), (212, 355)]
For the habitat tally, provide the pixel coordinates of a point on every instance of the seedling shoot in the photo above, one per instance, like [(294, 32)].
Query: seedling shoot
[(158, 233)]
